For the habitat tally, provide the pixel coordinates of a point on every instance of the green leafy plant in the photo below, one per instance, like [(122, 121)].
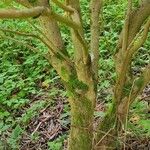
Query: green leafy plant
[(57, 144), (14, 137)]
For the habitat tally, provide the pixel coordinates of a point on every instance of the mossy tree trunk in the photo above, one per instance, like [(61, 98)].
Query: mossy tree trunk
[(80, 73), (127, 87), (81, 132)]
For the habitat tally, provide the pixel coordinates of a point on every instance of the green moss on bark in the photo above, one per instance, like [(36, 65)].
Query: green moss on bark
[(81, 133), (74, 83), (32, 1)]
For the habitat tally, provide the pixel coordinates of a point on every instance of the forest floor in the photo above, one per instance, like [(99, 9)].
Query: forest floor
[(54, 121)]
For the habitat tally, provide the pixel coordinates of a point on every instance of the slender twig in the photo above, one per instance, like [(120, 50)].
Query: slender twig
[(63, 6), (63, 19), (112, 136), (47, 56), (24, 34), (38, 126), (53, 47), (35, 36), (20, 42), (27, 34), (103, 137), (140, 83), (145, 97), (40, 31)]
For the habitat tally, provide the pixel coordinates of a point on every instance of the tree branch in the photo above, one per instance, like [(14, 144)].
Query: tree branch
[(47, 56), (138, 16), (24, 34), (123, 57), (96, 6), (134, 46), (64, 7), (20, 42), (64, 20), (36, 12), (21, 14), (140, 83), (126, 27), (139, 39), (48, 41), (81, 50), (50, 28), (41, 39), (83, 42)]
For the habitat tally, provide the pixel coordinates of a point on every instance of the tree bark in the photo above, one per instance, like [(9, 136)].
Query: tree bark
[(82, 99), (81, 133), (106, 131)]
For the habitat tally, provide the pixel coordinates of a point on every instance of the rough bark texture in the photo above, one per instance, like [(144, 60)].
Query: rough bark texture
[(106, 132), (81, 133), (82, 115)]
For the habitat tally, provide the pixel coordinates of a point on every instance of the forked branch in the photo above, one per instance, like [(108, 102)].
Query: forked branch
[(134, 46), (64, 20), (124, 54), (34, 13), (138, 17)]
